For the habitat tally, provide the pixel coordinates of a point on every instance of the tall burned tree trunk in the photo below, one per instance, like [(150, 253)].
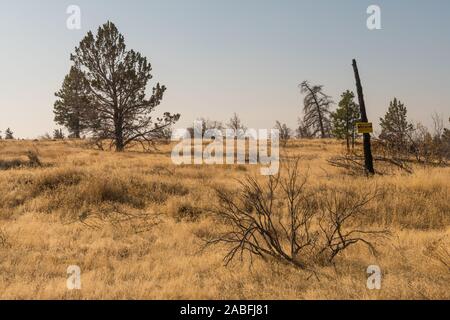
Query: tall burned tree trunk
[(347, 128), (368, 159)]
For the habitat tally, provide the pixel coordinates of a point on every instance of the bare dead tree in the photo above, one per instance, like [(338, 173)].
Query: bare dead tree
[(207, 124), (429, 149), (235, 123), (285, 132), (438, 124), (316, 109)]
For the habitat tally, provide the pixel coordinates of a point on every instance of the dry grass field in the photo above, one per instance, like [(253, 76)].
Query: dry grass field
[(134, 223)]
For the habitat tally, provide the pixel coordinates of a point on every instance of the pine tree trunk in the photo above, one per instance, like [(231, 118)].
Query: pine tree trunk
[(118, 132), (76, 132), (119, 140)]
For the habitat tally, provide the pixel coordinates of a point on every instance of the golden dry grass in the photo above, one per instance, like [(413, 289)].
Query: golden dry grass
[(97, 210)]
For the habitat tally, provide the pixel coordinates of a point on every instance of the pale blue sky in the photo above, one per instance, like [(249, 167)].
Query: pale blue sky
[(246, 56)]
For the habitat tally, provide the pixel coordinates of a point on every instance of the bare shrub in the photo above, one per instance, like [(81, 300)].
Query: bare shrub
[(286, 219), (430, 149), (419, 145), (340, 220)]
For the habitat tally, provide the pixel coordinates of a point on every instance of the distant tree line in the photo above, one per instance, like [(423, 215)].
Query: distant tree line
[(399, 137), (104, 96)]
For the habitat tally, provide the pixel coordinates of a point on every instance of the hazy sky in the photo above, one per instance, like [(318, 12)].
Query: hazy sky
[(244, 56)]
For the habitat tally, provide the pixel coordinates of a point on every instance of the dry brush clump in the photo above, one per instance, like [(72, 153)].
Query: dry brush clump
[(287, 219), (186, 211), (77, 192), (32, 162)]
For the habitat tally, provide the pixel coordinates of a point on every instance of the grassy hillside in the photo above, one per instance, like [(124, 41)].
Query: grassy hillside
[(134, 221)]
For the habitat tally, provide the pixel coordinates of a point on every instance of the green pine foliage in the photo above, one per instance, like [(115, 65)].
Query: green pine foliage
[(345, 117), (395, 128)]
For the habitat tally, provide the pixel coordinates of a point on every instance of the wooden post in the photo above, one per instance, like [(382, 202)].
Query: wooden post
[(368, 159)]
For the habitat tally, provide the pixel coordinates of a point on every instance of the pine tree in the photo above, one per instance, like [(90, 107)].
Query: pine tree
[(118, 79), (72, 107), (395, 128), (345, 117)]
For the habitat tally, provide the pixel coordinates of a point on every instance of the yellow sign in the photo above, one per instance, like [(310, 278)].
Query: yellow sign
[(364, 127)]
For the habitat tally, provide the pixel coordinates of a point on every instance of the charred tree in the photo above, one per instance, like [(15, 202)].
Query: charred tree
[(368, 159)]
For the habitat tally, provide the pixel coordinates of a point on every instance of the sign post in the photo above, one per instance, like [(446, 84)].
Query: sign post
[(364, 127)]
